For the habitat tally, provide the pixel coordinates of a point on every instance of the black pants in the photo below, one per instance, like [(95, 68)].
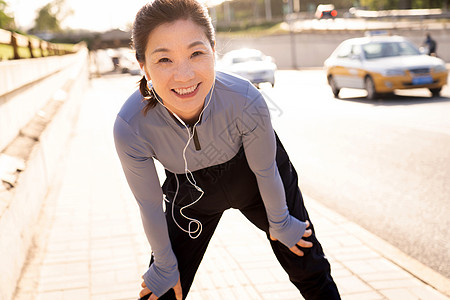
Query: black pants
[(233, 185)]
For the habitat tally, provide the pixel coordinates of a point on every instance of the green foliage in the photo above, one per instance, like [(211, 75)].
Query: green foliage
[(248, 11), (50, 16), (6, 21), (46, 20), (379, 4), (7, 52), (402, 4), (265, 28), (67, 47), (311, 5)]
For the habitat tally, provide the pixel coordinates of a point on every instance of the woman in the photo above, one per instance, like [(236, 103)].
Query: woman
[(212, 133)]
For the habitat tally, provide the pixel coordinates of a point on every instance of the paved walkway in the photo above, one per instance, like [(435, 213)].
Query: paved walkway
[(90, 242)]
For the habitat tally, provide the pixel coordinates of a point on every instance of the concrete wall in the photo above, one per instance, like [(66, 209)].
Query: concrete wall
[(312, 48), (21, 206), (26, 85)]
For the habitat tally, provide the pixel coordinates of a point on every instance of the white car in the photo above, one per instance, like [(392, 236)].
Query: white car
[(251, 64)]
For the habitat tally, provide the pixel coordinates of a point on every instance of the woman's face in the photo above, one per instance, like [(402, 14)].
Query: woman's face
[(179, 60)]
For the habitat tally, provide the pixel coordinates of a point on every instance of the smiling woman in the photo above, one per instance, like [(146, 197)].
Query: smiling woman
[(153, 53), (234, 161), (181, 68)]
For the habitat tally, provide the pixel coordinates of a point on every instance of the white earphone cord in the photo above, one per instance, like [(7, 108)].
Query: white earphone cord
[(187, 172)]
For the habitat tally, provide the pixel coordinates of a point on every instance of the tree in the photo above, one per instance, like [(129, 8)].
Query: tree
[(50, 16), (6, 21), (405, 4)]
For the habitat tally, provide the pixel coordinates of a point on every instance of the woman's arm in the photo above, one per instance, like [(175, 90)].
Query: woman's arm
[(260, 149), (142, 178)]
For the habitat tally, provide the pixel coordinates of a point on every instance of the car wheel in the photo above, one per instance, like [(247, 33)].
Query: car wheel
[(436, 92), (370, 88), (334, 87)]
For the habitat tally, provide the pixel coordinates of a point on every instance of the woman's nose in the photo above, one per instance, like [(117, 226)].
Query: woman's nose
[(184, 72)]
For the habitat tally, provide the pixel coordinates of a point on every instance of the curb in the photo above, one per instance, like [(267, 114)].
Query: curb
[(386, 250)]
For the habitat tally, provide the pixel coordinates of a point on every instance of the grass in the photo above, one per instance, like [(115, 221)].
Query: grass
[(7, 52), (67, 47), (259, 30)]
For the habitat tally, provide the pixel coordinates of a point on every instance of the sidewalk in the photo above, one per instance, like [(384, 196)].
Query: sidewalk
[(91, 245)]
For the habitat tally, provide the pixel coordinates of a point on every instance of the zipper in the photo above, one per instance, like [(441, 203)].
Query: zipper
[(196, 141)]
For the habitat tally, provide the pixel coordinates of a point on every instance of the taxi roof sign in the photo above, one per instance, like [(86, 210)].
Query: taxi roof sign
[(376, 33)]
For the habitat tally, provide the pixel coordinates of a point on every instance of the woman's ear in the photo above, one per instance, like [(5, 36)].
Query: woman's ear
[(146, 75)]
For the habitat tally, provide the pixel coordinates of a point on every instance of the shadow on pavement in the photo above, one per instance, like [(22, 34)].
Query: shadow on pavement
[(395, 99)]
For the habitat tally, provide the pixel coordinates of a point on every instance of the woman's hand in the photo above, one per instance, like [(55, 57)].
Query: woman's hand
[(176, 288), (302, 243)]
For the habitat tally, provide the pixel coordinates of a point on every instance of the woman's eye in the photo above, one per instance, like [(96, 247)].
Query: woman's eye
[(163, 60), (196, 53)]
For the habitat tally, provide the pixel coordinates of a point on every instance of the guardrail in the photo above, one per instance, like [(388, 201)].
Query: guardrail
[(352, 13), (36, 47), (425, 13)]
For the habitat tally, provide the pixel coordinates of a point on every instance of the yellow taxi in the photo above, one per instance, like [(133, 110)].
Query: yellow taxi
[(382, 64)]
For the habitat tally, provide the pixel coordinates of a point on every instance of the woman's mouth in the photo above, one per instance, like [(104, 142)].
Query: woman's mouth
[(187, 91)]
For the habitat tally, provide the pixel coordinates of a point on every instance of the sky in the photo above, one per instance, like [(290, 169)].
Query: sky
[(95, 15)]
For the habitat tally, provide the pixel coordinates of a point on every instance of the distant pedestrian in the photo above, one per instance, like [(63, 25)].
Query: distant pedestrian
[(431, 45), (213, 134)]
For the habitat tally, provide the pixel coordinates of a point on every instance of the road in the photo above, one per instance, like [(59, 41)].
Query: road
[(383, 164)]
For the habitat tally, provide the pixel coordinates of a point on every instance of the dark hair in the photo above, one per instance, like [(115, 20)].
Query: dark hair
[(158, 12)]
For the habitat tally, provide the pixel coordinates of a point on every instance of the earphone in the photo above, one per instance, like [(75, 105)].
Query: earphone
[(190, 177)]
